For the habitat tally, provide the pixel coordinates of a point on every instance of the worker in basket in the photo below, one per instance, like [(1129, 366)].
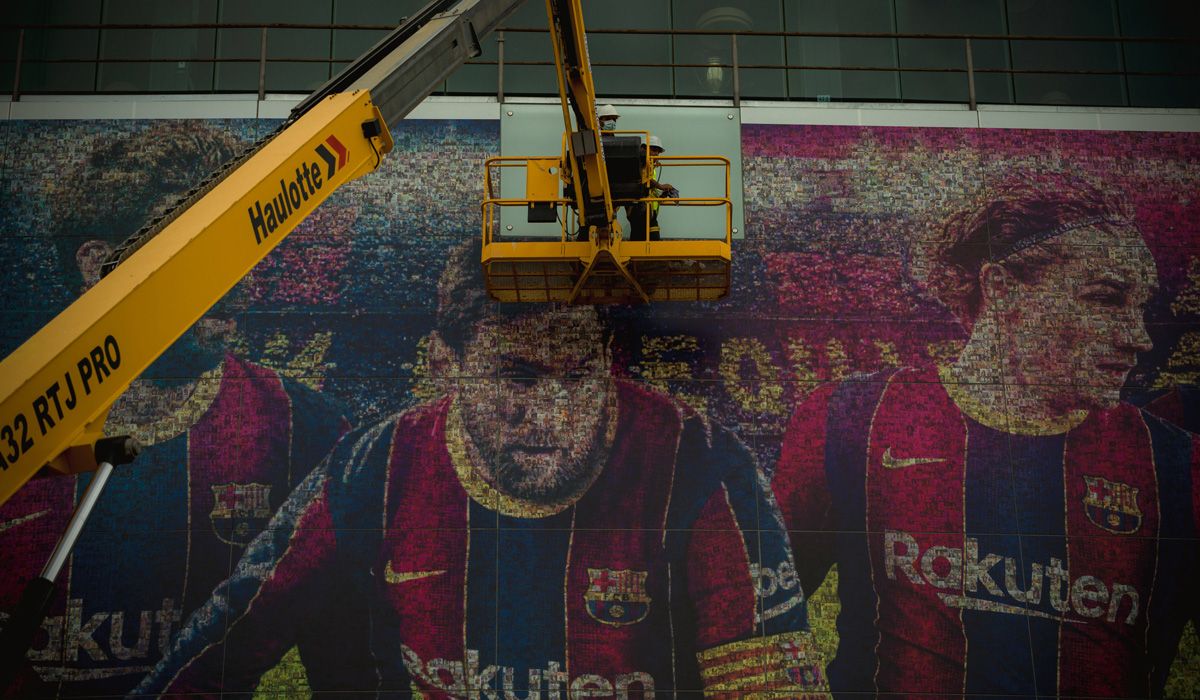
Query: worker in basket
[(637, 213)]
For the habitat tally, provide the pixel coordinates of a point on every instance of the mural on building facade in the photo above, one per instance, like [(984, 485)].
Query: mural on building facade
[(915, 425)]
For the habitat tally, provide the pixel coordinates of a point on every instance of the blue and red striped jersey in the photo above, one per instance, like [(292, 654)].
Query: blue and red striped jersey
[(167, 527), (972, 558), (670, 573)]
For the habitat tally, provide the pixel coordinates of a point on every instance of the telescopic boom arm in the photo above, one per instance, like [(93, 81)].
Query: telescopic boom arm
[(57, 388)]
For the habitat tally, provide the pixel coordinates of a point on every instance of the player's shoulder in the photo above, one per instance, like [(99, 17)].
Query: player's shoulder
[(703, 446), (422, 421), (868, 388), (358, 466), (1164, 429), (235, 367), (349, 462), (1174, 449), (647, 409), (304, 398), (643, 399), (1162, 412), (1177, 405), (316, 410), (643, 403)]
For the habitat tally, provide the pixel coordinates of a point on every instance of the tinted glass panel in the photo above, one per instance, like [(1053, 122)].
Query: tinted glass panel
[(1161, 18), (952, 17), (1066, 18), (8, 56), (714, 54), (59, 44), (629, 60), (349, 44), (182, 74), (528, 47), (629, 48), (826, 53), (281, 75)]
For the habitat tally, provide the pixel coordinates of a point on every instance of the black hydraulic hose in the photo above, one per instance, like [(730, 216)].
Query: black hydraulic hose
[(367, 61)]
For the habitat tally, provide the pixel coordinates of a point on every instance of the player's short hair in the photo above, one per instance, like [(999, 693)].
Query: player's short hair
[(129, 178), (463, 302), (1015, 228)]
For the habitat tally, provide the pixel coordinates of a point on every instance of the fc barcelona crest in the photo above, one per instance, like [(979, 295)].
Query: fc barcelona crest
[(1112, 505), (803, 666), (617, 597), (240, 511)]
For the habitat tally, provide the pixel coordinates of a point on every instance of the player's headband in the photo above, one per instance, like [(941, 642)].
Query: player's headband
[(1016, 246)]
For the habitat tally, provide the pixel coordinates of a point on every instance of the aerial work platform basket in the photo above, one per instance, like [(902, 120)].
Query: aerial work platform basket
[(585, 264)]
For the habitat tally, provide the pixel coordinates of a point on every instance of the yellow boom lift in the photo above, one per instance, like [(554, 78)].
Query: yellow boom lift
[(592, 260), (57, 388)]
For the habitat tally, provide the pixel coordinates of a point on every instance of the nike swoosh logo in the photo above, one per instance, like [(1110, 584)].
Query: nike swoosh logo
[(890, 462), (19, 521), (964, 603), (392, 576)]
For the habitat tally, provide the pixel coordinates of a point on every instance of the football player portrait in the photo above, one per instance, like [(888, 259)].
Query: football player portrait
[(541, 527), (1005, 524)]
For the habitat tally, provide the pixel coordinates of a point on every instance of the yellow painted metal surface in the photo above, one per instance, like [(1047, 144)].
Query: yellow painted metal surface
[(541, 179), (56, 389), (573, 69), (592, 261), (581, 272), (602, 269)]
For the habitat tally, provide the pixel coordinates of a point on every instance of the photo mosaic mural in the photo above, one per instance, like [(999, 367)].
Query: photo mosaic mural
[(937, 441)]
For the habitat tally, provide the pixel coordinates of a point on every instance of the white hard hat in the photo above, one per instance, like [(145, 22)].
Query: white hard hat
[(607, 111), (656, 142)]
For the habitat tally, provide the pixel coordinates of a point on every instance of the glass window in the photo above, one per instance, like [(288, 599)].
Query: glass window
[(952, 17), (479, 76), (610, 81), (1053, 71), (372, 20), (629, 48), (349, 44), (712, 55), (1066, 18), (867, 16), (528, 47), (52, 44), (179, 75), (8, 58), (282, 75), (1161, 18)]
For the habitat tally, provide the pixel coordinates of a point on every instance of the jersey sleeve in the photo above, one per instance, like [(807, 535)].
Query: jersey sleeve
[(254, 617), (1178, 405), (751, 622), (800, 486)]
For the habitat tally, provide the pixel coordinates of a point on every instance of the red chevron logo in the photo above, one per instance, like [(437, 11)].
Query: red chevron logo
[(339, 149), (332, 164)]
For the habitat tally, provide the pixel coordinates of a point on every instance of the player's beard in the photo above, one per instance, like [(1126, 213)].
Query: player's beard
[(550, 475)]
